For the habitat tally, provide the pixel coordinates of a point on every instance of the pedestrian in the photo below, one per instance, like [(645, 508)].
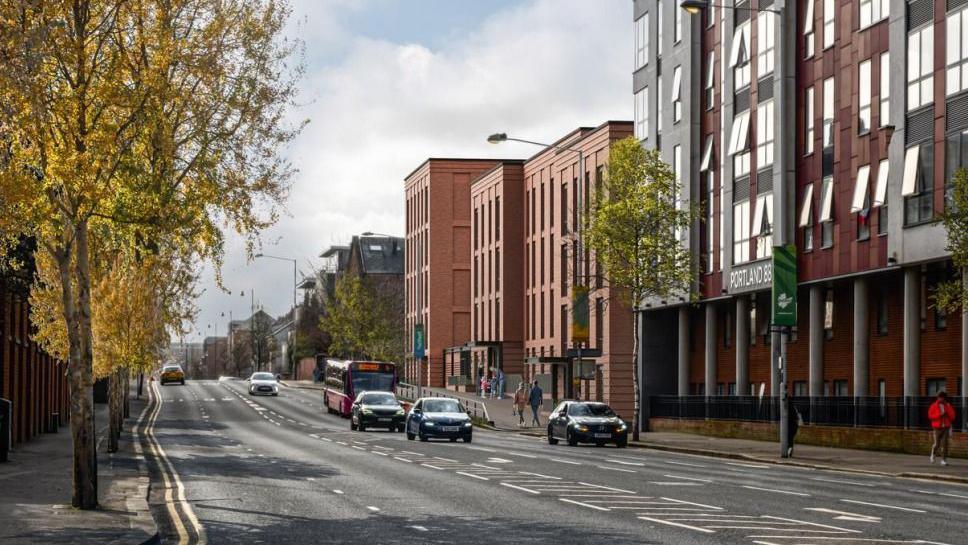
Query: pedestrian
[(520, 401), (484, 386), (536, 398), (500, 384), (793, 426), (942, 416)]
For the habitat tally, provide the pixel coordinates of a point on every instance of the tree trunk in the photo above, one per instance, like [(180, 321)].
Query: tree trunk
[(636, 425), (80, 385), (112, 412), (126, 392)]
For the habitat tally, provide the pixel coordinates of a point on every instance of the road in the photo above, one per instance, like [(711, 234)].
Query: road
[(281, 470)]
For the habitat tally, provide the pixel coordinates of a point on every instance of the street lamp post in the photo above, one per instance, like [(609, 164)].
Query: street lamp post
[(580, 273), (784, 75), (295, 320)]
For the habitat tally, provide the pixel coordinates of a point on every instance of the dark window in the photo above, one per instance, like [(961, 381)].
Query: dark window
[(840, 388), (919, 208), (864, 220), (935, 385), (551, 259), (882, 315), (955, 158), (477, 278), (564, 268), (940, 318), (533, 265), (728, 330), (477, 228), (564, 328), (497, 218), (541, 315), (532, 212), (497, 319), (564, 210), (882, 219), (541, 276), (574, 202), (599, 323), (542, 203), (551, 314), (497, 269), (800, 388), (826, 234)]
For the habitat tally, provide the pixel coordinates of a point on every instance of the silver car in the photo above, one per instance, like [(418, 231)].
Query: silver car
[(263, 384)]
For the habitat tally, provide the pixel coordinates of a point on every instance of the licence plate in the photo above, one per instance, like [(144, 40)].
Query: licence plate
[(450, 428), (602, 435), (384, 419)]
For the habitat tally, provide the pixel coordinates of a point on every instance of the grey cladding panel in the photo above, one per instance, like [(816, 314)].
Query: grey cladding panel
[(919, 12), (957, 110), (919, 126), (764, 89)]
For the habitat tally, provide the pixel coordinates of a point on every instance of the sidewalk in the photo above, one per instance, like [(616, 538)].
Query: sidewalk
[(36, 484)]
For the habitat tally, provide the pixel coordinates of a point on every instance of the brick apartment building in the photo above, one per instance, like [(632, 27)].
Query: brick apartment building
[(437, 255), (833, 125)]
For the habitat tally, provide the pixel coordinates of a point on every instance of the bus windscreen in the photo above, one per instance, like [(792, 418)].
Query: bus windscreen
[(368, 382)]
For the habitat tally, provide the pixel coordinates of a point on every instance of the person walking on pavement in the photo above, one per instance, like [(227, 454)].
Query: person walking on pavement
[(520, 402), (536, 398), (500, 384), (942, 416), (793, 426)]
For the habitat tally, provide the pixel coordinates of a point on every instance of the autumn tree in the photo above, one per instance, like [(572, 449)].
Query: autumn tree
[(633, 231), (952, 295), (138, 117), (364, 320)]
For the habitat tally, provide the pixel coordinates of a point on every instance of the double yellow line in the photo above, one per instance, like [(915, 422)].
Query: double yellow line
[(174, 489)]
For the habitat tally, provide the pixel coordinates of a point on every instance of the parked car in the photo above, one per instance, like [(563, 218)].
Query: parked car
[(172, 373), (263, 384), (377, 410), (439, 417), (586, 422)]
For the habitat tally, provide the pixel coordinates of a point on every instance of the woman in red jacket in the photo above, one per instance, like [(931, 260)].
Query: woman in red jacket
[(942, 416)]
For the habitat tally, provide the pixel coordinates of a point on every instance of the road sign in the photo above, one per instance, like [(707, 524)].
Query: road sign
[(418, 341), (785, 285), (579, 314)]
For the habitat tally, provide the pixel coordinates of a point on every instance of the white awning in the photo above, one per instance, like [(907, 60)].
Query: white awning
[(860, 188), (739, 136), (909, 185), (707, 154), (880, 190), (741, 42), (827, 200), (808, 19), (763, 214), (806, 207), (677, 83)]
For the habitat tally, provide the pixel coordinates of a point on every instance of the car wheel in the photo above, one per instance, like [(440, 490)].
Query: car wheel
[(410, 436), (453, 439), (352, 424), (622, 443), (572, 440), (423, 438), (551, 438), (599, 443), (183, 382), (467, 439), (360, 426), (275, 394), (400, 429)]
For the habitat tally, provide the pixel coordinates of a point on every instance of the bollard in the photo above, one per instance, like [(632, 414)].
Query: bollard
[(6, 415)]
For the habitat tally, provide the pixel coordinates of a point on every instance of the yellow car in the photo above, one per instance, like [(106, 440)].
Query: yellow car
[(172, 373)]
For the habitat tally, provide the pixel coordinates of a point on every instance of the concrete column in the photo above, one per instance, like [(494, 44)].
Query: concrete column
[(683, 352), (742, 345), (710, 349), (817, 300), (912, 331), (862, 333)]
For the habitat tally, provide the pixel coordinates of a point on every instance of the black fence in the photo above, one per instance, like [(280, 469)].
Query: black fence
[(869, 412)]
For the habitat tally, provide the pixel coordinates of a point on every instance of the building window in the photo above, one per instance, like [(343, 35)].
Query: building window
[(532, 211), (840, 388), (658, 108), (940, 318), (677, 29), (808, 121), (497, 218), (935, 385), (564, 268), (741, 232), (880, 196), (642, 114), (477, 228), (710, 82), (885, 89), (541, 206), (920, 68), (739, 59), (677, 91), (861, 204), (659, 26), (766, 43), (956, 30), (563, 210), (642, 41), (955, 159), (829, 27), (917, 187), (764, 134), (828, 316), (762, 229), (709, 205), (828, 113), (882, 315), (728, 330), (806, 218), (497, 269), (497, 319), (864, 97), (600, 321), (872, 11), (800, 388), (826, 213), (739, 144), (809, 37)]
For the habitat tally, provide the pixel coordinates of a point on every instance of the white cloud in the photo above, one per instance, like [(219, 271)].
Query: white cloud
[(378, 109)]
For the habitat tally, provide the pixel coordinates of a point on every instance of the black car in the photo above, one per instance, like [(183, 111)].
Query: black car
[(439, 417), (377, 410), (586, 422)]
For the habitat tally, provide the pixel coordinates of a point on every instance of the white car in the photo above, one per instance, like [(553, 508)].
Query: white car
[(263, 384)]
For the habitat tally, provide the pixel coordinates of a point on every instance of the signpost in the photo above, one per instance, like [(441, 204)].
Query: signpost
[(419, 345), (784, 316)]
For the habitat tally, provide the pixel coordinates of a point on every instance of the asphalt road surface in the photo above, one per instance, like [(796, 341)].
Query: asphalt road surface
[(230, 468)]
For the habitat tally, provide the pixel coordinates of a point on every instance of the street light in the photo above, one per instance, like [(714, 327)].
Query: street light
[(784, 75), (580, 274), (295, 322)]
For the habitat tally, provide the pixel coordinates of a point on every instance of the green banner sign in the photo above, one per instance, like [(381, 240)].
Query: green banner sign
[(785, 285), (418, 341), (579, 314)]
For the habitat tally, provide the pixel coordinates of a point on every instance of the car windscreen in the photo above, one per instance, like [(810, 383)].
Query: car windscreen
[(589, 409), (378, 399), (442, 406), (363, 381), (263, 376), (170, 369)]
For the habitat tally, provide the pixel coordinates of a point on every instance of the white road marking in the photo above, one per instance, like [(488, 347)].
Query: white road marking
[(683, 464), (804, 494), (521, 454), (466, 474), (687, 478), (854, 483), (885, 506), (337, 491), (637, 464), (432, 466), (521, 488), (560, 461), (754, 466), (372, 508), (948, 494), (674, 483), (680, 525), (498, 461), (446, 460), (618, 469), (845, 515), (608, 488), (420, 528), (539, 475), (402, 459), (583, 504)]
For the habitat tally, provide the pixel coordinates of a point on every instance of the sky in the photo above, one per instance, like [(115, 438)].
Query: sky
[(388, 84)]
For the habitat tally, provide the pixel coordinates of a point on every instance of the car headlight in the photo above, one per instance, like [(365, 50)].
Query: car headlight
[(400, 412), (429, 424), (467, 424), (622, 427), (367, 411), (582, 428)]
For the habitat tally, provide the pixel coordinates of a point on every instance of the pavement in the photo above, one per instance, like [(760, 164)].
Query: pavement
[(268, 469), (36, 492)]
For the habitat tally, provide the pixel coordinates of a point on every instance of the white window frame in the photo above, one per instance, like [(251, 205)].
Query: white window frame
[(739, 135), (809, 36), (710, 216), (659, 25), (739, 59), (861, 187), (765, 129), (764, 238), (829, 98), (642, 113), (956, 52), (827, 200), (806, 207), (909, 184), (710, 80), (829, 23), (677, 29), (920, 67), (677, 92), (809, 119), (642, 41), (880, 188), (766, 43), (885, 89), (707, 154), (873, 11), (741, 232), (864, 97)]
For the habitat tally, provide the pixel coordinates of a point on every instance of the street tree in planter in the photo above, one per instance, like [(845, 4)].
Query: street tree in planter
[(632, 229)]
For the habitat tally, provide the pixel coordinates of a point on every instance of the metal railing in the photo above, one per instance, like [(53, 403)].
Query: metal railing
[(868, 412), (477, 409)]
